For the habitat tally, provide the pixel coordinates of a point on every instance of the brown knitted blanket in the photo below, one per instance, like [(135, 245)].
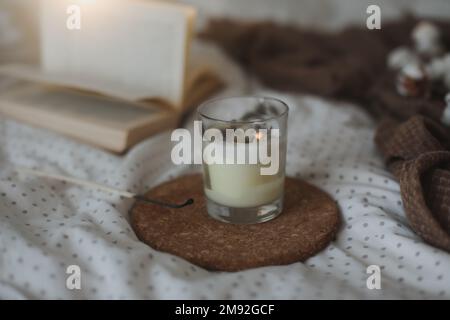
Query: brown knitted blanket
[(351, 65)]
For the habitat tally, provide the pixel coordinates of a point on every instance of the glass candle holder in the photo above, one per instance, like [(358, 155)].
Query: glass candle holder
[(244, 158)]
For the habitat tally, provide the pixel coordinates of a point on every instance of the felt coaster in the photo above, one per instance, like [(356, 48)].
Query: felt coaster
[(309, 221)]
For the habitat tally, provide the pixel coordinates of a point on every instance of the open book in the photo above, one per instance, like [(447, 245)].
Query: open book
[(124, 75)]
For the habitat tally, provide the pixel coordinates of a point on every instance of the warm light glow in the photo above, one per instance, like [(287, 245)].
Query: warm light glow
[(258, 135)]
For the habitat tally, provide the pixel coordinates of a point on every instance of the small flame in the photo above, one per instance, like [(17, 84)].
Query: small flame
[(258, 135)]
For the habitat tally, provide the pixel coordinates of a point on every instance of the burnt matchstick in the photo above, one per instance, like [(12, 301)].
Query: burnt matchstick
[(164, 204), (93, 185)]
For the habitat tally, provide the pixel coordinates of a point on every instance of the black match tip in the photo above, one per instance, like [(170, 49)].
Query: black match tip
[(164, 204)]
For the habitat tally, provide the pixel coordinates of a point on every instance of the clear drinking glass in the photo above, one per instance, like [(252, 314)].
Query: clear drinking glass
[(244, 158)]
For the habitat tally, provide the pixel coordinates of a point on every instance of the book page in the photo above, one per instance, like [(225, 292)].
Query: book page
[(75, 105), (94, 119), (131, 49)]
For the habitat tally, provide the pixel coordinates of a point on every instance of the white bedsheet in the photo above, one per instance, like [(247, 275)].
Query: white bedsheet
[(46, 226)]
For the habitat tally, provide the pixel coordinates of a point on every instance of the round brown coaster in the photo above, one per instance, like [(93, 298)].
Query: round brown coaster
[(309, 221)]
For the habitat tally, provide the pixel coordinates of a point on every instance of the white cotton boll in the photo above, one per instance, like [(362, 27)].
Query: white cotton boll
[(426, 31), (413, 71), (400, 57), (426, 37), (411, 81), (437, 67)]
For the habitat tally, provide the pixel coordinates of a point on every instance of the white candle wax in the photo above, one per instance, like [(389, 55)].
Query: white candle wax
[(242, 185)]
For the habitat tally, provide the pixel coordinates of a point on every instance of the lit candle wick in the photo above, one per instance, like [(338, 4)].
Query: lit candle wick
[(258, 135)]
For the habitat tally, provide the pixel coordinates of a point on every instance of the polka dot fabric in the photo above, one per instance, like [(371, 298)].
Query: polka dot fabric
[(45, 225)]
